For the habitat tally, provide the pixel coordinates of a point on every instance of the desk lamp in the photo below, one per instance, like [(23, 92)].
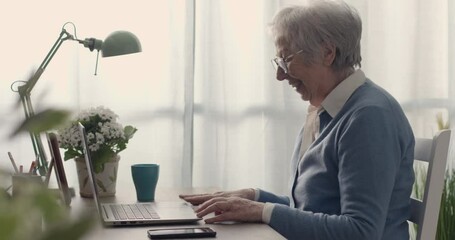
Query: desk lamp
[(117, 43)]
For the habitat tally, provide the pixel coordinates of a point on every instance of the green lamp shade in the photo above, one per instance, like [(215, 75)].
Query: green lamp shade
[(120, 43)]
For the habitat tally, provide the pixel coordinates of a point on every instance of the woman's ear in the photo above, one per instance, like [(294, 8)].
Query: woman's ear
[(329, 51)]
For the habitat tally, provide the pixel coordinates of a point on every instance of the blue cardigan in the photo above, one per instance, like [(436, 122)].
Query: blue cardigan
[(355, 180)]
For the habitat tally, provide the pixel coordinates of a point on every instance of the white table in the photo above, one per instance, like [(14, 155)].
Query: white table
[(127, 194)]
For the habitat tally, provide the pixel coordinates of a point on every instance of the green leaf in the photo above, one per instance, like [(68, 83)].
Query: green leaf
[(100, 157), (129, 131), (43, 121), (70, 230), (24, 216), (70, 153), (120, 147)]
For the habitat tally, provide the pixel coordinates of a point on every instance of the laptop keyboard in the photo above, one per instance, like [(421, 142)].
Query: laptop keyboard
[(133, 211)]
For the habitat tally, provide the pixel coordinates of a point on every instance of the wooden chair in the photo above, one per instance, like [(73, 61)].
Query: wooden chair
[(425, 213)]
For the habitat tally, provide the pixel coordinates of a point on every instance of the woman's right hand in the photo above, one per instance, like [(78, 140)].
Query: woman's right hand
[(196, 199)]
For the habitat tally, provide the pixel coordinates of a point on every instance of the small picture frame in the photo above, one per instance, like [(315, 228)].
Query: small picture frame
[(54, 148)]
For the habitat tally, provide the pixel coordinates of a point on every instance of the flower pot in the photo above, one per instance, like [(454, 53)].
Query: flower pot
[(106, 180)]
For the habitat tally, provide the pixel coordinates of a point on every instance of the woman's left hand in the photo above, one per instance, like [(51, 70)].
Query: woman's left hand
[(231, 209)]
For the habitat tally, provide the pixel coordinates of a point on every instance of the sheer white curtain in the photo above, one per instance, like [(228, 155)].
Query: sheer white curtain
[(245, 122), (406, 50), (409, 49), (203, 92)]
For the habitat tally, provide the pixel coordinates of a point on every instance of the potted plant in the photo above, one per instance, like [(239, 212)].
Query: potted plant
[(106, 138), (446, 220)]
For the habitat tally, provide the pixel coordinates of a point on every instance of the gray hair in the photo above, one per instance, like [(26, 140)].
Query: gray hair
[(307, 28)]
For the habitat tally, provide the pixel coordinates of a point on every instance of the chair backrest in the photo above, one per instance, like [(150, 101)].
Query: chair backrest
[(425, 213)]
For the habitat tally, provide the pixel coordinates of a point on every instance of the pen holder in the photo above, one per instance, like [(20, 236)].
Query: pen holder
[(22, 181)]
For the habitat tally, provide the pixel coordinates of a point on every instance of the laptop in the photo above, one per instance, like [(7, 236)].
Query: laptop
[(139, 213)]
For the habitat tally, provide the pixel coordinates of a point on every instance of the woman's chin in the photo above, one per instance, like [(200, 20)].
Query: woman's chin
[(303, 94)]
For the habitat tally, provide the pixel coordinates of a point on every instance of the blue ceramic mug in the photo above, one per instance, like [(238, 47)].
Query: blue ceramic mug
[(145, 178)]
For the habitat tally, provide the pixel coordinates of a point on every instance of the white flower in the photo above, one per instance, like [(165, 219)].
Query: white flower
[(103, 131)]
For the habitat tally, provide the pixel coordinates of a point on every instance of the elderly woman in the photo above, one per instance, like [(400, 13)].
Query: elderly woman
[(352, 164)]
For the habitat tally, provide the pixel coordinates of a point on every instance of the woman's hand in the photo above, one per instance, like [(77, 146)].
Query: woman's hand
[(197, 199), (231, 209)]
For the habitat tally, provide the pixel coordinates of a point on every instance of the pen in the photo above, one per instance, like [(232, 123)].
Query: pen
[(13, 162)]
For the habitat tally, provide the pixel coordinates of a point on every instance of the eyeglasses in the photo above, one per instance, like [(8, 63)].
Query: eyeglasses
[(283, 62)]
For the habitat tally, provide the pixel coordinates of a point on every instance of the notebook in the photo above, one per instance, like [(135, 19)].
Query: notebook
[(143, 213)]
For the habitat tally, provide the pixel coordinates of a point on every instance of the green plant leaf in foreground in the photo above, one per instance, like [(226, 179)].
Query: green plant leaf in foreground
[(70, 231), (42, 121), (36, 213)]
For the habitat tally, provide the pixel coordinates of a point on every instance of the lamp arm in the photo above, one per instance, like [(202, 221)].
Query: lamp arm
[(24, 93), (64, 35)]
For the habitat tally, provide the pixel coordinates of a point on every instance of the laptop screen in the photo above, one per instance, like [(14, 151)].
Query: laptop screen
[(88, 162)]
